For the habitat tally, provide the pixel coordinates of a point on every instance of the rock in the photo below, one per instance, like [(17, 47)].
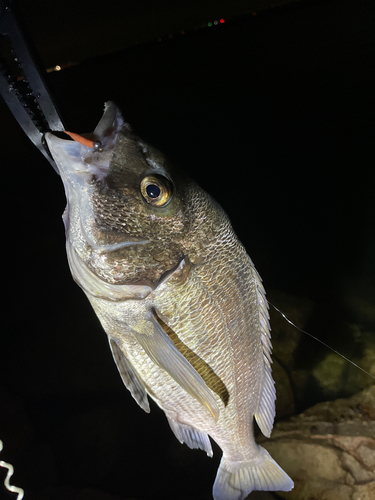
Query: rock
[(307, 371), (285, 341), (285, 337), (335, 376), (285, 398), (329, 450), (334, 373)]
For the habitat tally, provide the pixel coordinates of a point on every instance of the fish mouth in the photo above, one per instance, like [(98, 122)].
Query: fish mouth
[(109, 126), (76, 159)]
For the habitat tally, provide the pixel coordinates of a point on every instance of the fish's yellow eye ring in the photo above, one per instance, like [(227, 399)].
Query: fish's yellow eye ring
[(156, 190)]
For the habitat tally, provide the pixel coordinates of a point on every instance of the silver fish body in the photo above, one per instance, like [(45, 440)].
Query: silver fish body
[(180, 300)]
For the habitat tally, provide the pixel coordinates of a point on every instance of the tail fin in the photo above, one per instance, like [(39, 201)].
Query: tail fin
[(235, 480)]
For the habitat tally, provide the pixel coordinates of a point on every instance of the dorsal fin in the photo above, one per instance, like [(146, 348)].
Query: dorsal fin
[(265, 414)]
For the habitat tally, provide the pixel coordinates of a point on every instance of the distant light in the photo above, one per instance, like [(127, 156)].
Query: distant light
[(182, 32), (222, 21), (254, 13), (209, 24), (159, 39), (216, 22), (57, 68), (170, 36)]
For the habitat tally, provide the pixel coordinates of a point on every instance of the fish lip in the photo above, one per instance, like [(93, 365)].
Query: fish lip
[(74, 159), (109, 125)]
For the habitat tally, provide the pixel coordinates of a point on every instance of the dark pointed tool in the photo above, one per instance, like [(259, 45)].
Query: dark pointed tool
[(22, 84)]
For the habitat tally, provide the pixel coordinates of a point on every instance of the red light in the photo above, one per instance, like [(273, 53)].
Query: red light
[(222, 21)]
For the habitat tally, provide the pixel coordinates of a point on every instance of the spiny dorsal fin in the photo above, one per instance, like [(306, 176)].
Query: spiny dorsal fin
[(265, 414)]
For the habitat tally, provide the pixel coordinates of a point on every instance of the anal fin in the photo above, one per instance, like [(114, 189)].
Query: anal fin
[(130, 377), (194, 438)]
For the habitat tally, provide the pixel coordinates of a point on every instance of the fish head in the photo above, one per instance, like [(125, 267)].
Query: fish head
[(131, 215)]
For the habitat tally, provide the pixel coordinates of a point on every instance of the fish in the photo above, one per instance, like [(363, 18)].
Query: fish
[(180, 300)]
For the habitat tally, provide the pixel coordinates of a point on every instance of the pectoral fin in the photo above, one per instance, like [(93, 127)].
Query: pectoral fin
[(161, 349), (130, 377)]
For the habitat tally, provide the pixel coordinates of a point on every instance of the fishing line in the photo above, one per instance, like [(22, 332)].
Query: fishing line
[(321, 341), (8, 486)]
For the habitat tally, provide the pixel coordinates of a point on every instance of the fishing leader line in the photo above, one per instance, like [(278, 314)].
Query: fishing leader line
[(321, 341), (8, 486)]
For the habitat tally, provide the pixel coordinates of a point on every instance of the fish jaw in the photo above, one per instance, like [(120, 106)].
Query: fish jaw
[(78, 164), (81, 169), (73, 157)]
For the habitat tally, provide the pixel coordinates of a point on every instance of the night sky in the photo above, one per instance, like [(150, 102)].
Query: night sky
[(273, 115)]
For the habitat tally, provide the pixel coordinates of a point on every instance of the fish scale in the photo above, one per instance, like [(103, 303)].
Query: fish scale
[(179, 298)]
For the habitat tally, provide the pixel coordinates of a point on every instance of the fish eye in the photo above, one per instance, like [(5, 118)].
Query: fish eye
[(156, 190)]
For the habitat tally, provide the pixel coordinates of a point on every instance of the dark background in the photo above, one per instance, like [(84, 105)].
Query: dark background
[(272, 113)]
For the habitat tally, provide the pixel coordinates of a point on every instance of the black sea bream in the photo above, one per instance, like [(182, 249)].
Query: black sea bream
[(179, 298)]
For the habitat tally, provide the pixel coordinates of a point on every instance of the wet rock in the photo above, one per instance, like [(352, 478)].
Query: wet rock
[(335, 374), (313, 372), (329, 450), (285, 398), (285, 337), (355, 338), (290, 382), (262, 495)]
